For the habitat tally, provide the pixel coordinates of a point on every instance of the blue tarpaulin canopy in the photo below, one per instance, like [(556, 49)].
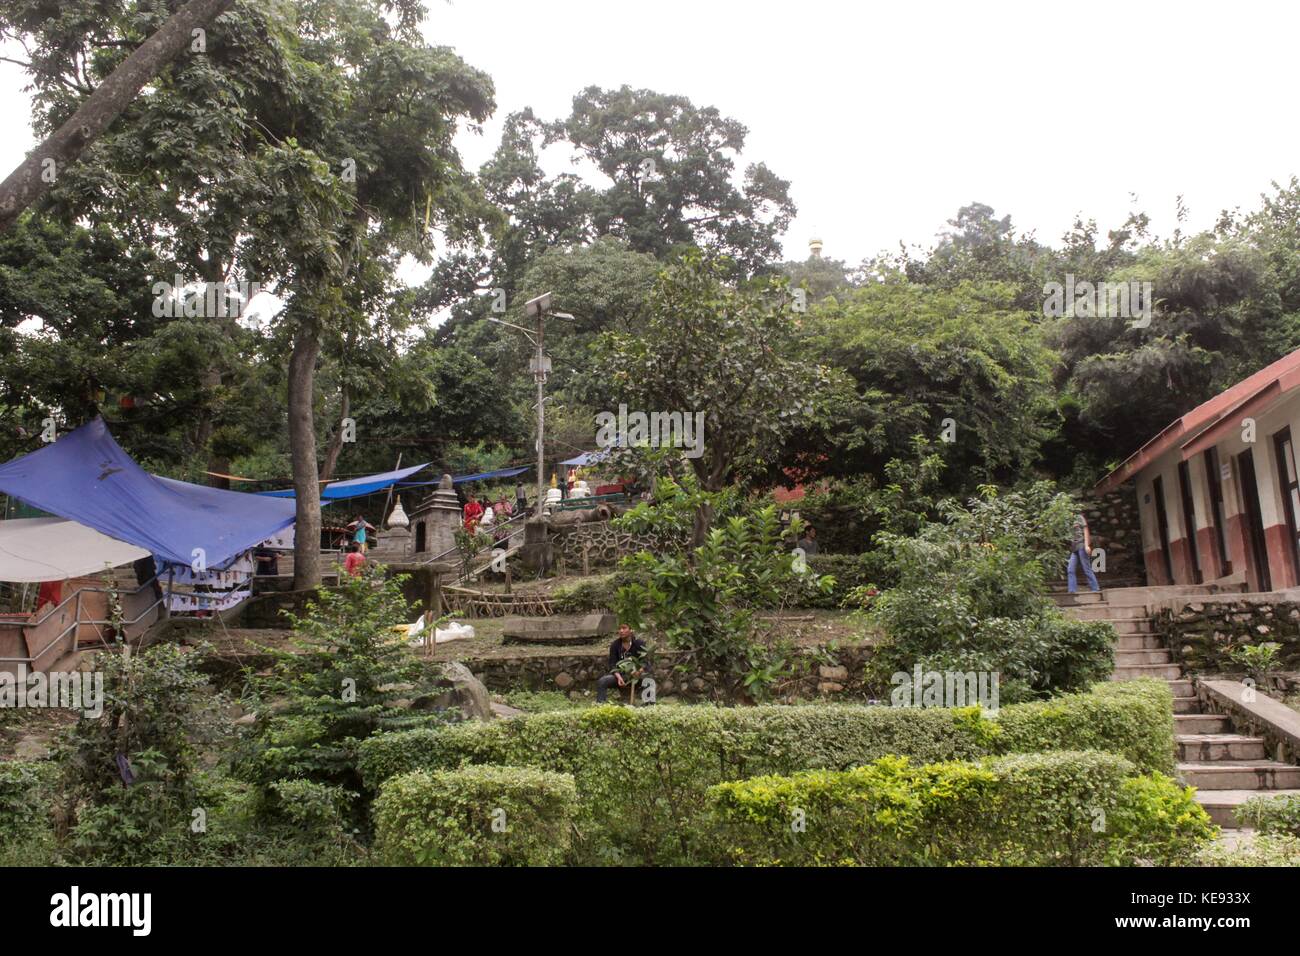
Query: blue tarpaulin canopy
[(481, 476), (355, 487), (586, 458), (85, 476)]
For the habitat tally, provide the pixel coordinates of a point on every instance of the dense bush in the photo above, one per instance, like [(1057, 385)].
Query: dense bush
[(1264, 850), (1273, 815), (971, 596), (642, 774), (1065, 808), (595, 593), (1141, 728), (849, 571), (22, 800), (475, 816)]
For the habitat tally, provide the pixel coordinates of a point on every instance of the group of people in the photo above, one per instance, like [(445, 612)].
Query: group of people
[(482, 513)]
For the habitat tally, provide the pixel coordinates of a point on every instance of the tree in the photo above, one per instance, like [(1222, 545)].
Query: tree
[(717, 350), (670, 165), (964, 367), (308, 150), (103, 105)]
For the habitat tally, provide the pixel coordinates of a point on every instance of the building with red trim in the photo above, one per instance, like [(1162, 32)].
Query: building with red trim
[(1218, 490)]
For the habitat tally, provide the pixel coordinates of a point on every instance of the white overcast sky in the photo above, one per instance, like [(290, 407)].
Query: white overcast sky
[(887, 117)]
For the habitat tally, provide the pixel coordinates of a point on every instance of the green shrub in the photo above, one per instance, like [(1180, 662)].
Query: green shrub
[(1272, 815), (1027, 809), (1157, 822), (1264, 850), (475, 816), (595, 593), (849, 571), (1131, 718), (642, 774), (23, 796)]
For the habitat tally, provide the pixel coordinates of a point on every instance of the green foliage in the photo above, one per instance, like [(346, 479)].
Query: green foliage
[(1131, 718), (340, 686), (1264, 850), (1257, 660), (971, 596), (704, 603), (24, 788), (849, 572), (1067, 808), (475, 816), (595, 593), (1273, 815), (642, 774)]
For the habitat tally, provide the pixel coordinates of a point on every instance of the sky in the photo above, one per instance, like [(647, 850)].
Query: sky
[(888, 117)]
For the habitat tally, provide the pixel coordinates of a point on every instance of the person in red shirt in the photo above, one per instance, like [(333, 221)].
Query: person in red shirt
[(355, 559), (473, 511)]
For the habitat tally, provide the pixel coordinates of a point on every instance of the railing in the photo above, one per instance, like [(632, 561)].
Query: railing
[(24, 628)]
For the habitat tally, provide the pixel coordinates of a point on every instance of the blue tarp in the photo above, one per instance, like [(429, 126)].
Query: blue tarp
[(586, 458), (481, 476), (85, 476), (355, 487)]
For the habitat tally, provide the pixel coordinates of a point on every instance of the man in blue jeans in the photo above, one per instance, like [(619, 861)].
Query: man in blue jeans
[(1080, 554)]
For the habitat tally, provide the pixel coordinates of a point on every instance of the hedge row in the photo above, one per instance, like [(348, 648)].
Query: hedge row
[(643, 774), (1066, 808), (475, 816)]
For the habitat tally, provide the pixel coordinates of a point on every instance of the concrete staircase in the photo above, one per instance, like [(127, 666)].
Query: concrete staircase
[(1226, 768)]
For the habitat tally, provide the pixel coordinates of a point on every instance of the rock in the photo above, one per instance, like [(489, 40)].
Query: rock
[(505, 710), (247, 720), (563, 680), (32, 748), (1263, 629), (829, 687), (461, 691), (833, 673)]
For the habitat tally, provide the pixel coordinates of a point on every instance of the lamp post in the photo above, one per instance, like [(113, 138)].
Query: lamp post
[(540, 366)]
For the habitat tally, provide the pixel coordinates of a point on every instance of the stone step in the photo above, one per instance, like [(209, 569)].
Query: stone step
[(1127, 658), (1240, 775), (1186, 705), (1169, 672), (1138, 642), (1128, 627), (1182, 688), (1222, 804), (1106, 612), (1194, 723), (1066, 599), (1208, 748)]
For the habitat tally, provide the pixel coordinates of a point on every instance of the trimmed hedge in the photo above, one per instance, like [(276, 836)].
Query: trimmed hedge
[(1134, 719), (475, 816), (643, 774), (1066, 808)]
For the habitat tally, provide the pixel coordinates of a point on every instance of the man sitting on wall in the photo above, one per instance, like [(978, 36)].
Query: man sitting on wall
[(626, 646)]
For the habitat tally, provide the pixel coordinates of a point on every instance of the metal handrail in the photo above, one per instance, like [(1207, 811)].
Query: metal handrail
[(52, 610), (77, 621)]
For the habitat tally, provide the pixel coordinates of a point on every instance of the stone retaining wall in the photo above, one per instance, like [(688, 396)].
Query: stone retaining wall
[(605, 545), (1200, 634), (1113, 524), (822, 674)]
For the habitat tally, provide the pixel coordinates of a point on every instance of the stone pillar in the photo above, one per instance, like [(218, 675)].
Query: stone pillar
[(444, 518), (537, 546)]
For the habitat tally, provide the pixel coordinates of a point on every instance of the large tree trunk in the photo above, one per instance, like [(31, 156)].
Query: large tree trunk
[(26, 183), (302, 451)]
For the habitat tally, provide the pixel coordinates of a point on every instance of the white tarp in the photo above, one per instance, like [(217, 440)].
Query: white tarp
[(54, 549)]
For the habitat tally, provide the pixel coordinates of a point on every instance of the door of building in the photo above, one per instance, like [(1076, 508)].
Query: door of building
[(1162, 527), (1290, 488), (1256, 551)]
